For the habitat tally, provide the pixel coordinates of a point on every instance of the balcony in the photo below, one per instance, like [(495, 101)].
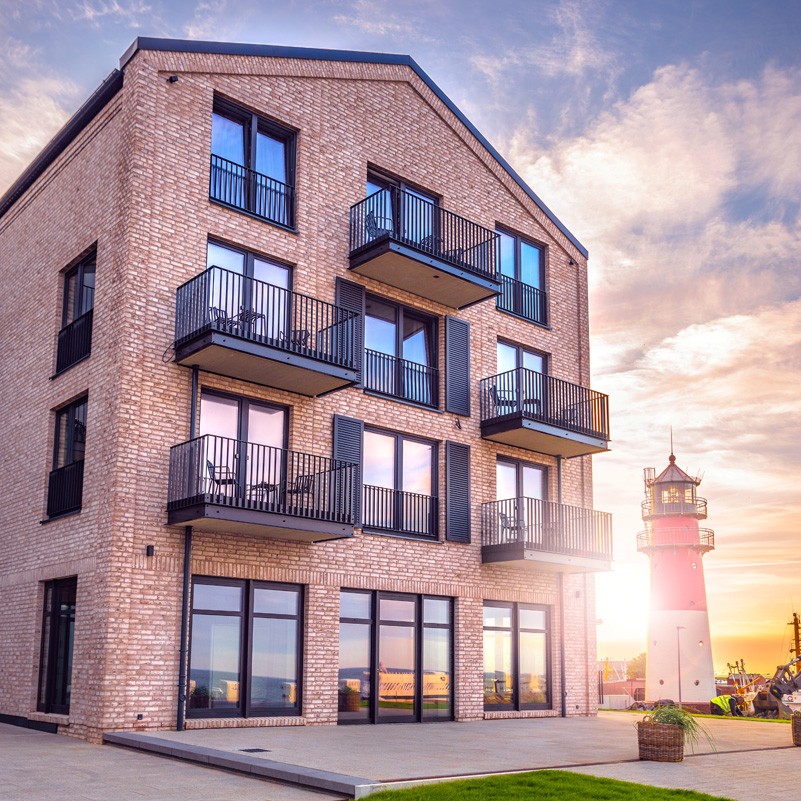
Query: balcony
[(65, 489), (405, 241), (545, 536), (523, 300), (392, 510), (226, 485), (695, 507), (543, 414), (401, 379), (230, 324), (243, 189), (74, 342), (701, 540)]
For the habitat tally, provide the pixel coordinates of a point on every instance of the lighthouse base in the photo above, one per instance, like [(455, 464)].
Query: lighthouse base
[(679, 639)]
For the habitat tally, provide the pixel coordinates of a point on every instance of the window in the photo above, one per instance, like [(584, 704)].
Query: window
[(400, 481), (75, 337), (55, 660), (400, 357), (65, 487), (252, 164), (395, 657), (399, 209), (523, 513), (521, 270), (243, 282), (245, 648), (521, 381), (516, 656)]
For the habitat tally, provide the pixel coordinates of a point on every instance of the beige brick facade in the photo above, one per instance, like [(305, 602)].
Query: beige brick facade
[(134, 184)]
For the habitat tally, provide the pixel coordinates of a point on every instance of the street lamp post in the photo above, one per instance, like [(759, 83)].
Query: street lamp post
[(678, 658)]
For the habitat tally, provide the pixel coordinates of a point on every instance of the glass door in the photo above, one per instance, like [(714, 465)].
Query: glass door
[(397, 669), (226, 285), (272, 301), (381, 339), (519, 489)]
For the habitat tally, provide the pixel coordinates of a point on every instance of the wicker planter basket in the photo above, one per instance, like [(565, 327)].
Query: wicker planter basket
[(660, 742), (796, 724)]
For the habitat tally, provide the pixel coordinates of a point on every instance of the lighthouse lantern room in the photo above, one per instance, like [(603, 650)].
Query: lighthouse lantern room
[(679, 661)]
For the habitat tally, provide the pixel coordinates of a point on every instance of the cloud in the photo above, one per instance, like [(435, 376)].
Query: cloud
[(380, 18), (100, 12), (206, 20)]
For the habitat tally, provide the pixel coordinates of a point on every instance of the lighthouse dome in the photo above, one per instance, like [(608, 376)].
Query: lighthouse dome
[(672, 492)]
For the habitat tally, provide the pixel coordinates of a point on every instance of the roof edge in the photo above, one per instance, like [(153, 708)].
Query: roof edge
[(280, 51), (56, 146)]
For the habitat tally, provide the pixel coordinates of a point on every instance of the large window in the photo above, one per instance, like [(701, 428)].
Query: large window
[(245, 652), (55, 660), (399, 476), (65, 487), (75, 337), (395, 657), (521, 269), (516, 656), (520, 490), (402, 210), (252, 164), (400, 357), (521, 379)]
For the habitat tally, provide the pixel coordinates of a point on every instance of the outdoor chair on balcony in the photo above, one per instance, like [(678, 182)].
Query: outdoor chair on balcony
[(502, 399), (222, 478), (301, 491), (296, 338), (377, 226), (510, 529), (219, 318)]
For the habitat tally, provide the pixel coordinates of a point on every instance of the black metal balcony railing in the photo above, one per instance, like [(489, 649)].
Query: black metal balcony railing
[(701, 539), (74, 341), (547, 526), (226, 301), (230, 472), (542, 397), (65, 489), (400, 378), (523, 300), (245, 189), (403, 512), (657, 508), (406, 218)]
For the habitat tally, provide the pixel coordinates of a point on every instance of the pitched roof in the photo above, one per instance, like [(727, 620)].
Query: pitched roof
[(673, 473), (113, 84)]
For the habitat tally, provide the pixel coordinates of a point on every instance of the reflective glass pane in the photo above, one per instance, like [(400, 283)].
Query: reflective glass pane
[(533, 482), (507, 357), (506, 254), (219, 597), (379, 459), (415, 341), (71, 301), (380, 327), (79, 431), (219, 256), (417, 470), (418, 218), (219, 416), (354, 670), (355, 604), (275, 602), (498, 677), (271, 157), (400, 609), (532, 618), (228, 139), (533, 361), (226, 285), (436, 673), (505, 480), (275, 274), (88, 288), (436, 610), (396, 672), (214, 664), (530, 265), (274, 669), (533, 664), (266, 425), (498, 616)]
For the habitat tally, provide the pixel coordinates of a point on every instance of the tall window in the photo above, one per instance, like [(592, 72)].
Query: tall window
[(521, 489), (521, 379), (516, 656), (75, 337), (245, 652), (521, 268), (58, 634), (395, 657), (400, 357), (65, 488), (252, 164), (399, 475), (251, 284), (407, 213)]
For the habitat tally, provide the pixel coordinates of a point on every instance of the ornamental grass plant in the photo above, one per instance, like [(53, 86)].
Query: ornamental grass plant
[(693, 730)]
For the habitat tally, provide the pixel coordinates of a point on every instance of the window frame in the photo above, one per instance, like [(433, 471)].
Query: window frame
[(516, 705), (244, 402), (79, 272), (250, 257), (69, 410), (519, 464), (244, 708), (375, 621), (518, 241), (50, 655), (520, 350)]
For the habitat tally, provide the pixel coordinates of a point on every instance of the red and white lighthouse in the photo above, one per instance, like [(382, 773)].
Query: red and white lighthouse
[(679, 663)]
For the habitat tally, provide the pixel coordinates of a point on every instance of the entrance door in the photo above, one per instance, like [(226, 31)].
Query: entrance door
[(397, 665), (58, 634)]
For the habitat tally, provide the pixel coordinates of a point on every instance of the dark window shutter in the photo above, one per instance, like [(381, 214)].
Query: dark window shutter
[(348, 435), (457, 366), (350, 296), (457, 492)]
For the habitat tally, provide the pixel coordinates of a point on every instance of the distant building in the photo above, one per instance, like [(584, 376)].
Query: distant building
[(298, 420), (679, 663)]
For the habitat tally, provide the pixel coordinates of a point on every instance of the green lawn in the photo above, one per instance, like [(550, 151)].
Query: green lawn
[(541, 785)]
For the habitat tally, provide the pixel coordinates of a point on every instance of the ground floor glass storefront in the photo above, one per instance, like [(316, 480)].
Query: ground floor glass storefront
[(395, 657)]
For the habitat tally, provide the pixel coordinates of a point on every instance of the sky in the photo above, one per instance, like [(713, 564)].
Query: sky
[(665, 136)]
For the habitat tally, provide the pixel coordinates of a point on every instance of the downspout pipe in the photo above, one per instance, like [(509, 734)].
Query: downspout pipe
[(187, 578), (562, 660)]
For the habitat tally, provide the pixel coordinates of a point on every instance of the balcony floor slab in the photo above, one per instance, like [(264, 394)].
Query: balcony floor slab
[(517, 555), (533, 435)]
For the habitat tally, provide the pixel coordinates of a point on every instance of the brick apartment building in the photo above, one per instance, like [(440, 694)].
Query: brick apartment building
[(298, 420)]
